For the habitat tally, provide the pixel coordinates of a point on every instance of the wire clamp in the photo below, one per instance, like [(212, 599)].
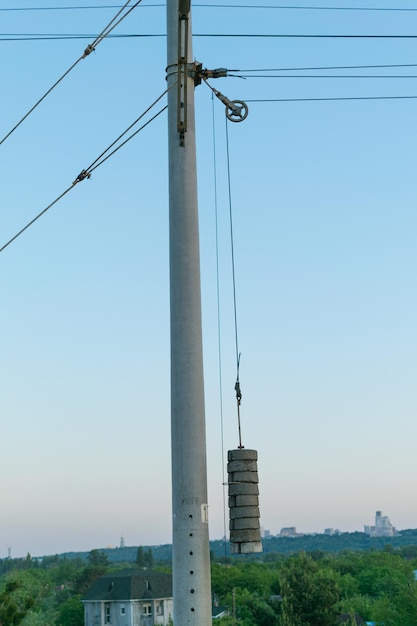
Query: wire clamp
[(238, 401), (82, 176), (238, 392), (220, 72), (197, 73), (89, 49)]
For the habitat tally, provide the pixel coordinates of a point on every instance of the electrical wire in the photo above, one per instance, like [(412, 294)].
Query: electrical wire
[(370, 76), (332, 99), (91, 169), (303, 7), (115, 22), (102, 158), (104, 33), (302, 36), (59, 37), (69, 37), (232, 251), (328, 67), (219, 329), (222, 6), (22, 230)]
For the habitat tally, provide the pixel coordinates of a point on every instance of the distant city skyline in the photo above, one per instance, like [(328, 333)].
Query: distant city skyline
[(384, 526)]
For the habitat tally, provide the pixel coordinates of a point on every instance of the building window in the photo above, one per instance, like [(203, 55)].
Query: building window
[(147, 609), (107, 614), (122, 610), (160, 608)]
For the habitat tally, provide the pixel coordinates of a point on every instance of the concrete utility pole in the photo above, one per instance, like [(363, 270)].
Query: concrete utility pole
[(191, 554)]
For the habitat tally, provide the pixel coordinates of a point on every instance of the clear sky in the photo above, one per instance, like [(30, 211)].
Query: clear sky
[(324, 216)]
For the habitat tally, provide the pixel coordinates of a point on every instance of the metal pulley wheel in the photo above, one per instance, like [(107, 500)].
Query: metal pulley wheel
[(237, 111)]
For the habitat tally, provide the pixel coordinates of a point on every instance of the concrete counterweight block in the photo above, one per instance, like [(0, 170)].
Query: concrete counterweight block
[(245, 530)]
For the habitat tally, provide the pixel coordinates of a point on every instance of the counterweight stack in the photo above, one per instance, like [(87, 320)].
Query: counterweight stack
[(245, 530)]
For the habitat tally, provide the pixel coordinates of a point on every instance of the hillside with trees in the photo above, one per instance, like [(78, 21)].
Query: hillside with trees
[(316, 588), (271, 546)]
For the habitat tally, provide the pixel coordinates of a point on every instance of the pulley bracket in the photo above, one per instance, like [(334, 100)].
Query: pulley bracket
[(236, 110)]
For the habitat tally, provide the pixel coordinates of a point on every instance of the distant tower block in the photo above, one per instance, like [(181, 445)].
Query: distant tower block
[(245, 529), (122, 542)]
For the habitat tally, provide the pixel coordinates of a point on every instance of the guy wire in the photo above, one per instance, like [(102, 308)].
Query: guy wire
[(219, 346), (237, 385)]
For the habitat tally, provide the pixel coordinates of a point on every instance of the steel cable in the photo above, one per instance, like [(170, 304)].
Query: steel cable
[(104, 33), (86, 173)]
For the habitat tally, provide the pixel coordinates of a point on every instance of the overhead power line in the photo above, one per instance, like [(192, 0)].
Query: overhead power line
[(74, 8), (102, 158), (305, 8), (368, 76), (59, 36), (303, 36), (53, 37), (328, 67), (332, 99), (220, 6), (92, 46)]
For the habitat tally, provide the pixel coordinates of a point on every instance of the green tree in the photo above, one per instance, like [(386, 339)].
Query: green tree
[(140, 557), (309, 594), (255, 577), (97, 558), (71, 613), (149, 558), (14, 604), (249, 609), (86, 577)]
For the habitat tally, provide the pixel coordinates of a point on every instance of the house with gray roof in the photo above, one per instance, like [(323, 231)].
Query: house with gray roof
[(129, 598)]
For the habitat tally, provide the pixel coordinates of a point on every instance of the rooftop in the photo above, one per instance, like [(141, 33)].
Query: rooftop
[(130, 584)]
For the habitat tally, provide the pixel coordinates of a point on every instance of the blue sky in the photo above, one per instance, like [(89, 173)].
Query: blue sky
[(323, 200)]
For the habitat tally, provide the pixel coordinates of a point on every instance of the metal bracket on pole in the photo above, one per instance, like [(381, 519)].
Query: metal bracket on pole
[(182, 72), (197, 73), (236, 110)]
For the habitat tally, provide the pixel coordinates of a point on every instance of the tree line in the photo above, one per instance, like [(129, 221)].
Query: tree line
[(319, 589), (315, 588)]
